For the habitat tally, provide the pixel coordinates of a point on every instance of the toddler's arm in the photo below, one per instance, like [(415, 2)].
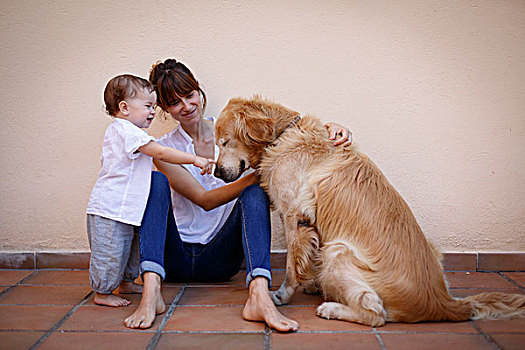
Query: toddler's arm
[(174, 156)]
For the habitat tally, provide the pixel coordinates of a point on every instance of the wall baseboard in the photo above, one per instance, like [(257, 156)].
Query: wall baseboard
[(503, 261)]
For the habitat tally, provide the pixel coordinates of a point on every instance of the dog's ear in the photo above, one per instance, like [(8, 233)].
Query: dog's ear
[(255, 127)]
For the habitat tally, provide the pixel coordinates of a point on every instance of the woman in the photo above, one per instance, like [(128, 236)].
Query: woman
[(197, 231)]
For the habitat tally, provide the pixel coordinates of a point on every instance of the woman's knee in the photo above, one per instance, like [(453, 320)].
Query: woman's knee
[(254, 191), (159, 181)]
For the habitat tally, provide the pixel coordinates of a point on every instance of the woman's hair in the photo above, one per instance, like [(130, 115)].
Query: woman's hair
[(121, 88), (170, 79)]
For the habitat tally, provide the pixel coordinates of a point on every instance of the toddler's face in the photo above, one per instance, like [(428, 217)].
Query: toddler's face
[(142, 109)]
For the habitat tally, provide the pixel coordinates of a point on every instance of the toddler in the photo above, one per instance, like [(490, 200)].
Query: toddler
[(119, 197)]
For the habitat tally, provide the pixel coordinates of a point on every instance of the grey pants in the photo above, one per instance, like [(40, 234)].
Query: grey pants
[(114, 253)]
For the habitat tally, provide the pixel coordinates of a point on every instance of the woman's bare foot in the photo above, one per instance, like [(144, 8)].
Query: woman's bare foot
[(110, 300), (129, 287), (260, 307), (150, 305)]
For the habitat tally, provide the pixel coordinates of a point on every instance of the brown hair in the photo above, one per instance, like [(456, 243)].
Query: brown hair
[(171, 78), (122, 87)]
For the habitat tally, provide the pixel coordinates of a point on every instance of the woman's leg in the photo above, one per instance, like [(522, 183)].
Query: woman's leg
[(160, 245), (157, 235), (249, 223), (246, 234)]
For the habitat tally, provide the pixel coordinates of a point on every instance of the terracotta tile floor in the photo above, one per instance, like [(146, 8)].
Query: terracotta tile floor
[(53, 309)]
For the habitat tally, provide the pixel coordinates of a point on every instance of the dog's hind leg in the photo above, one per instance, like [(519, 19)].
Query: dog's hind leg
[(352, 298), (311, 287)]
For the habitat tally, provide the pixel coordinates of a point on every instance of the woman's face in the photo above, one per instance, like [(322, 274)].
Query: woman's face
[(186, 109)]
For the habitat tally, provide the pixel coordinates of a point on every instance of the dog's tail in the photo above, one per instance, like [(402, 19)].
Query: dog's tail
[(485, 305), (497, 305)]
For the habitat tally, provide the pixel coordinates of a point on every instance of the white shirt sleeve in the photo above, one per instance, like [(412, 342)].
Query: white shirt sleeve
[(134, 138)]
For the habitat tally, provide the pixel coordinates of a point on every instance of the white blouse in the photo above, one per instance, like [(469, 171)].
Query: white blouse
[(195, 224), (122, 187)]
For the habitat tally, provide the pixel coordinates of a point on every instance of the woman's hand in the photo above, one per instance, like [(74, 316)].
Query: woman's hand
[(339, 133)]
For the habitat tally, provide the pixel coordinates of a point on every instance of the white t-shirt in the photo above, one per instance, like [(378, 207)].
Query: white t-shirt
[(195, 224), (122, 188)]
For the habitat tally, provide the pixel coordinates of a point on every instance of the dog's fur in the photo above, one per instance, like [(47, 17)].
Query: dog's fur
[(348, 231)]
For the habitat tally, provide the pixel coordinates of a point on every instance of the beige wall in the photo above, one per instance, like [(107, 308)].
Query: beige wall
[(434, 92)]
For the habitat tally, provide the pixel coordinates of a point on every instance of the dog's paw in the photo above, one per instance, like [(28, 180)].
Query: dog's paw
[(329, 310), (278, 298), (311, 288)]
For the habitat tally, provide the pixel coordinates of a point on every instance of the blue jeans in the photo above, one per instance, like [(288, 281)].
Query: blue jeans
[(246, 234)]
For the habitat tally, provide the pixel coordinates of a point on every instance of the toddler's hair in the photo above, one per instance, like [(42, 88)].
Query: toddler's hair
[(122, 87)]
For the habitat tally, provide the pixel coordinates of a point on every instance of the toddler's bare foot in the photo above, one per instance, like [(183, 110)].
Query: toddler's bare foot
[(150, 305), (129, 287), (110, 300), (260, 307)]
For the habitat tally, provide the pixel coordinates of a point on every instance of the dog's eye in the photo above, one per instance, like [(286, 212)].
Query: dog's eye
[(225, 142)]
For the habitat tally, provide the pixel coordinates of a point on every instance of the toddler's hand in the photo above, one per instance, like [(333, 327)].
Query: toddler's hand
[(205, 164)]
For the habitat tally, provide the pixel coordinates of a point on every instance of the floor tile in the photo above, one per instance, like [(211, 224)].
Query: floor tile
[(45, 295), (502, 326), (36, 318), (509, 341), (214, 296), (435, 341), (238, 280), (62, 260), (103, 318), (316, 341), (98, 341), (309, 321), (518, 277), (9, 277), (220, 318), (59, 277), (459, 261), (13, 260), (477, 280), (501, 261), (19, 340), (430, 327), (168, 293), (211, 341)]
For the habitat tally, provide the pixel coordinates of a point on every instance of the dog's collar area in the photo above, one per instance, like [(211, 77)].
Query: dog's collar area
[(291, 124)]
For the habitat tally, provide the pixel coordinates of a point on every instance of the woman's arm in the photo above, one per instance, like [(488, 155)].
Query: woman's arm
[(186, 185)]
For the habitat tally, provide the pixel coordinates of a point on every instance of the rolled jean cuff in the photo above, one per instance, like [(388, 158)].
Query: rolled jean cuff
[(150, 266), (259, 272)]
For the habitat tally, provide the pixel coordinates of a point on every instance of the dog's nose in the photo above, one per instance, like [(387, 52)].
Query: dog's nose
[(218, 172)]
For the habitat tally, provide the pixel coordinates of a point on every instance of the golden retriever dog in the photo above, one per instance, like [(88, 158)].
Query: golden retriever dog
[(348, 231)]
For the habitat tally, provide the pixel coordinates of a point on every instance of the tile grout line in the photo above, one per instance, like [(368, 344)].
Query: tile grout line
[(267, 341), (379, 339), (155, 340), (511, 280), (16, 284), (487, 337), (61, 322)]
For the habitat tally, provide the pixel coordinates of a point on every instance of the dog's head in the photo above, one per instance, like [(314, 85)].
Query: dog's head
[(242, 131)]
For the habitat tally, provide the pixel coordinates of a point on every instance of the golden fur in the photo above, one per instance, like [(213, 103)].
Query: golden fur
[(348, 231)]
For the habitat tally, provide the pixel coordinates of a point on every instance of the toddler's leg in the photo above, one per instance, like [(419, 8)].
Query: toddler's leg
[(131, 272), (110, 243)]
